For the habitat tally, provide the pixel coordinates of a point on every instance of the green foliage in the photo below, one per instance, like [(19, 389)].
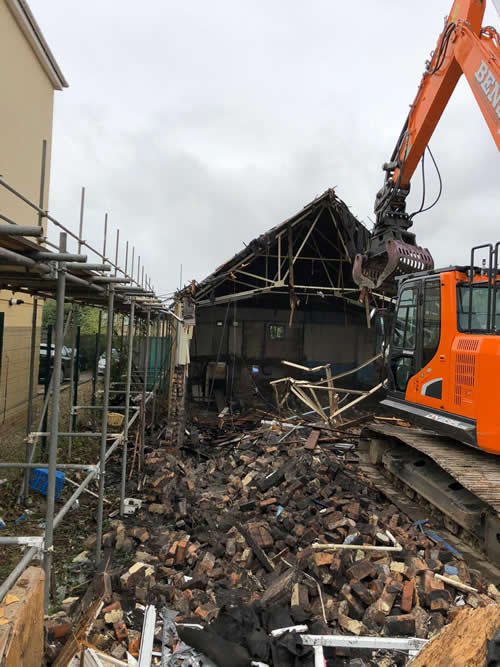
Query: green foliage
[(86, 316), (49, 312), (89, 320)]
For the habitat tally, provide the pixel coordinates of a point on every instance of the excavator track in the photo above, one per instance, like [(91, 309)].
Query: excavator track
[(461, 482)]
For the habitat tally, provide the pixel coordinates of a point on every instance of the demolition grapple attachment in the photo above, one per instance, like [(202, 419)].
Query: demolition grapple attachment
[(378, 271)]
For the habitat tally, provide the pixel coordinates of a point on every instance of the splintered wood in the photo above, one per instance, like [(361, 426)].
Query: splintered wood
[(305, 390)]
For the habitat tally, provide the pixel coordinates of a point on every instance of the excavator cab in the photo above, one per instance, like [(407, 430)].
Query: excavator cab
[(444, 351), (416, 330)]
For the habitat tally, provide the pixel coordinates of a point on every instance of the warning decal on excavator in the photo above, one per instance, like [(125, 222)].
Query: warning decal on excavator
[(446, 420)]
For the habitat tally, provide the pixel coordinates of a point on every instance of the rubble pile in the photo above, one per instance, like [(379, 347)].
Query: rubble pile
[(237, 531)]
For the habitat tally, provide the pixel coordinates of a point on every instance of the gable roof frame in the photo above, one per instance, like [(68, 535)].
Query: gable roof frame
[(321, 239)]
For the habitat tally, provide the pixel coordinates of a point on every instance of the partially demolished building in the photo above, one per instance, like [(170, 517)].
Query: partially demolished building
[(288, 295)]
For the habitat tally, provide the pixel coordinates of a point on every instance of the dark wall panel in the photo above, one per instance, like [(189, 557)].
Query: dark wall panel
[(253, 336)]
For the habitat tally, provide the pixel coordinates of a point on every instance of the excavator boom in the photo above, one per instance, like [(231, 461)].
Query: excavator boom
[(464, 47)]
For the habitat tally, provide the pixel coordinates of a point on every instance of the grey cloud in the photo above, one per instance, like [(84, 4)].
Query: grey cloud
[(200, 125)]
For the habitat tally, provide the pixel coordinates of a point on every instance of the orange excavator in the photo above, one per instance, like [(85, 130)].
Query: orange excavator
[(443, 353)]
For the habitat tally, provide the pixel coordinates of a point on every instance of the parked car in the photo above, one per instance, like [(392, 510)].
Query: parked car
[(101, 364), (65, 362)]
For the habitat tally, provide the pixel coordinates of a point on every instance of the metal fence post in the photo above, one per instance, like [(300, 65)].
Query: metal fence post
[(54, 419), (72, 379), (145, 387), (155, 367), (46, 382), (29, 417), (104, 429), (127, 404), (162, 355), (98, 338), (31, 381), (95, 369), (167, 365), (74, 393)]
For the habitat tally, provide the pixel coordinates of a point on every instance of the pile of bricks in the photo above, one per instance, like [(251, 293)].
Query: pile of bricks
[(244, 525)]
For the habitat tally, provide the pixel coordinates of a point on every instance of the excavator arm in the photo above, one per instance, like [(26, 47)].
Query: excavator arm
[(464, 47)]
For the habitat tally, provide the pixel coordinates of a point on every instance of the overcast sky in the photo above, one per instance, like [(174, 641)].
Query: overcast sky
[(198, 125)]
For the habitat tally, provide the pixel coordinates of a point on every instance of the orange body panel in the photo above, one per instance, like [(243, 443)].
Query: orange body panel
[(469, 366)]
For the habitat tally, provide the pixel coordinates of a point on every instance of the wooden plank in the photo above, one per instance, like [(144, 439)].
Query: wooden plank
[(305, 399), (357, 400), (340, 390), (320, 407), (457, 584), (304, 368), (72, 646), (331, 392), (354, 422), (276, 396), (21, 639), (259, 553), (364, 547)]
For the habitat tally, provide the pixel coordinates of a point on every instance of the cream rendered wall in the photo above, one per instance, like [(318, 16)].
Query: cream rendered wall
[(25, 120)]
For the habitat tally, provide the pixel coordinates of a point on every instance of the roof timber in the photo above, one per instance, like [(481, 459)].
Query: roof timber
[(312, 251)]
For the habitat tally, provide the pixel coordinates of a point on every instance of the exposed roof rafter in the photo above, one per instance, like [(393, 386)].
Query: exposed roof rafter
[(323, 231)]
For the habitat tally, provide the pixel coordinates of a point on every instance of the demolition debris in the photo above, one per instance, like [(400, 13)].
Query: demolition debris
[(258, 527)]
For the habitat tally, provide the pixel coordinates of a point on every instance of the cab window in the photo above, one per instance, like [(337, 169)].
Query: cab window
[(405, 327), (478, 308), (432, 319)]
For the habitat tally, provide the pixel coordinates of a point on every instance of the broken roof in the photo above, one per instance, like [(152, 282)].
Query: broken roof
[(310, 252)]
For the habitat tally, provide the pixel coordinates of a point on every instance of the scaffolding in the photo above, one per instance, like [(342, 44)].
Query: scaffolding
[(32, 264)]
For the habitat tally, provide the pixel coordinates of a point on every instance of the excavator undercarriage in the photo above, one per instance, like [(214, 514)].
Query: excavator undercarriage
[(461, 482)]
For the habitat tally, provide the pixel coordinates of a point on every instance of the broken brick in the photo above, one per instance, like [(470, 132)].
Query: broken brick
[(400, 625), (389, 594), (267, 502), (207, 562), (58, 627), (362, 592), (431, 583), (361, 570), (323, 558), (180, 552), (121, 631), (206, 612), (407, 596), (351, 625)]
